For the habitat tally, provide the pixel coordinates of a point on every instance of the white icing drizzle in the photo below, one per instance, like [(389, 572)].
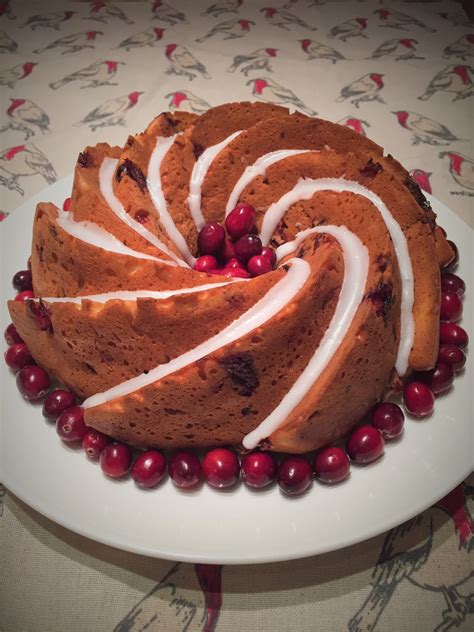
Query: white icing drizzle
[(258, 168), (356, 266), (106, 176), (304, 190), (199, 172), (270, 304), (90, 233), (133, 295), (157, 197)]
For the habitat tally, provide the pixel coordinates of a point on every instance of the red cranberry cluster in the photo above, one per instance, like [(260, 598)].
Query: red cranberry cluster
[(238, 254)]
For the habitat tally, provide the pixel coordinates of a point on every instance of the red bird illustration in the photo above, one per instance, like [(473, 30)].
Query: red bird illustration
[(3, 215), (23, 115), (10, 76), (354, 123), (350, 28), (145, 38), (397, 20), (462, 169), (316, 50), (400, 49), (166, 13), (424, 129), (456, 19), (462, 48), (24, 160), (232, 29), (72, 43), (366, 88), (223, 6), (283, 19), (422, 178), (7, 45), (268, 90), (195, 103), (98, 74), (100, 11), (457, 79), (407, 555), (48, 20), (182, 62), (6, 10), (111, 112), (258, 60)]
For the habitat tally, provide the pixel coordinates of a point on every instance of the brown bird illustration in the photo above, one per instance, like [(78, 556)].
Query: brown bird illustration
[(457, 79), (24, 160), (183, 62), (48, 20), (258, 60), (145, 38), (23, 115), (462, 48), (422, 178), (283, 19), (187, 98), (72, 43), (268, 90), (400, 49), (462, 169), (7, 44), (397, 20), (354, 123), (424, 129), (98, 74), (349, 28), (223, 6), (10, 76), (232, 29), (317, 50), (111, 112), (166, 13), (366, 88), (100, 11)]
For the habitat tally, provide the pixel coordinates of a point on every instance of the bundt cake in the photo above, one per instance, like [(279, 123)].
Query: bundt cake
[(166, 356)]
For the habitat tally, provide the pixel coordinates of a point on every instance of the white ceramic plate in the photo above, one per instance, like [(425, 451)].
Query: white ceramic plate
[(240, 526)]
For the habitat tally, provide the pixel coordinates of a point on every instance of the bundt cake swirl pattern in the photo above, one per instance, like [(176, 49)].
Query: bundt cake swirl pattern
[(166, 356)]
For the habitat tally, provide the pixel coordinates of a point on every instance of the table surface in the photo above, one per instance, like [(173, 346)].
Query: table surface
[(411, 63)]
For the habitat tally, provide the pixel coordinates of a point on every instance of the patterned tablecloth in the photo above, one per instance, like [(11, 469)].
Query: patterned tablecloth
[(74, 73)]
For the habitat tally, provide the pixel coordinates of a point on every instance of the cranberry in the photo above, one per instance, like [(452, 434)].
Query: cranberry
[(41, 314), (23, 296), (23, 280), (452, 356), (93, 443), (270, 254), (233, 263), (258, 265), (17, 356), (115, 459), (148, 469), (247, 247), (220, 468), (33, 382), (439, 379), (184, 469), (365, 444), (294, 475), (206, 263), (455, 260), (331, 465), (449, 333), (70, 424), (11, 335), (210, 238), (450, 310), (227, 251), (240, 220), (452, 283), (57, 402), (258, 469), (237, 273), (142, 216), (67, 204), (388, 418), (418, 398)]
